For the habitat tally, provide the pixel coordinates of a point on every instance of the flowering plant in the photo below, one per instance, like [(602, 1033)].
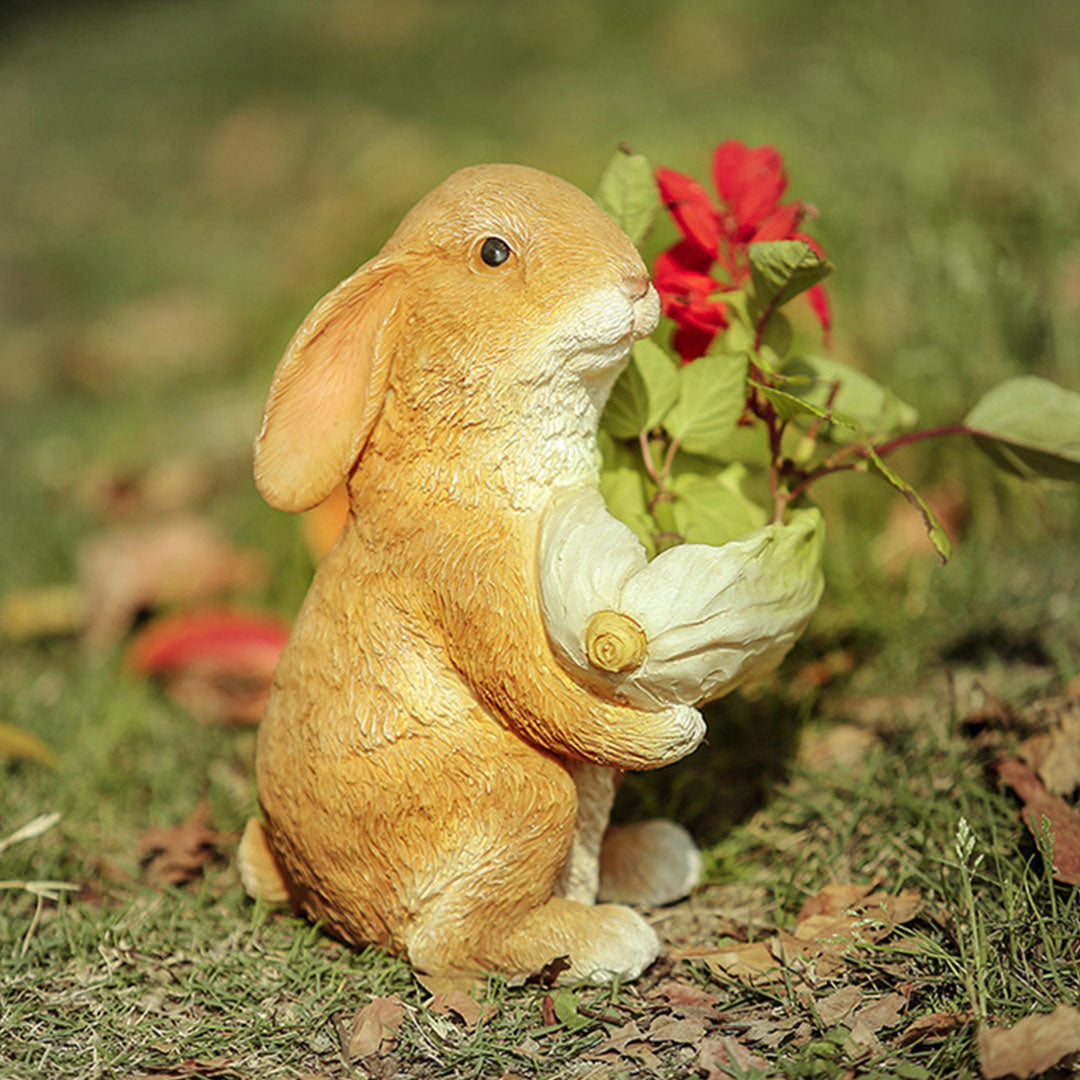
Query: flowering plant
[(737, 394)]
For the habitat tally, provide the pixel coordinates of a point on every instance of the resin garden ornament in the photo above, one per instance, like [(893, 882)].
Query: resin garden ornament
[(486, 647)]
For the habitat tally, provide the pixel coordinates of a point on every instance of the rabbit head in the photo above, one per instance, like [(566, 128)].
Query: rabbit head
[(489, 330)]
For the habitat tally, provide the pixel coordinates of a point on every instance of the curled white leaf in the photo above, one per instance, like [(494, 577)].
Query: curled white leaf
[(713, 617)]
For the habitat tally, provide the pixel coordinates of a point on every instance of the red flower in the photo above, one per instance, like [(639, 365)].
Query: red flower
[(712, 256)]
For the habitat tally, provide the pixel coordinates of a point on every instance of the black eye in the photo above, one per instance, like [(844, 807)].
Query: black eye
[(495, 251)]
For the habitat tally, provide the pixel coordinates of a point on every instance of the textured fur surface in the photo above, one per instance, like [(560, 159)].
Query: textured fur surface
[(420, 761)]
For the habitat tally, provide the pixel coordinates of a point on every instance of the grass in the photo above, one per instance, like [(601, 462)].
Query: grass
[(188, 179)]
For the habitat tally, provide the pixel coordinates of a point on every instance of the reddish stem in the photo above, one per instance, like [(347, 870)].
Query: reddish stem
[(881, 450)]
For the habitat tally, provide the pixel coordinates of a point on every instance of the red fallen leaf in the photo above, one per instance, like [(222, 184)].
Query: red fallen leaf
[(218, 664), (1030, 1047), (1040, 806), (178, 561), (175, 854)]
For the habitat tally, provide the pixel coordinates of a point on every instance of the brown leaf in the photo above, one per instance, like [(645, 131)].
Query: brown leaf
[(618, 1039), (834, 899), (1040, 806), (687, 999), (1030, 1047), (1055, 755), (934, 1026), (669, 1029), (753, 962), (722, 1053), (547, 1010), (883, 1013), (376, 1024), (837, 1006), (182, 560), (771, 1033), (550, 972), (175, 854), (454, 1001)]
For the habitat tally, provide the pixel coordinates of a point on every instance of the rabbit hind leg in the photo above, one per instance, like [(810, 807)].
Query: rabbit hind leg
[(491, 909)]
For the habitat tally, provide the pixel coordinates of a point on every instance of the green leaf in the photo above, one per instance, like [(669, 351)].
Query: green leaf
[(627, 193), (712, 509), (712, 396), (789, 406), (874, 408), (622, 483), (567, 1011), (1030, 427), (643, 394), (934, 529), (15, 743), (781, 269)]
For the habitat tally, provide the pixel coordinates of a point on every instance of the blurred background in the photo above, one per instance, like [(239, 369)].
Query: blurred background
[(181, 181)]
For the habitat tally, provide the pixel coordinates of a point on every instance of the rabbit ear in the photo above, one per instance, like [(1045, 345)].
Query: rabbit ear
[(327, 391)]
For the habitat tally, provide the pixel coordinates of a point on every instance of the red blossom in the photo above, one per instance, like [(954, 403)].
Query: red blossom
[(712, 257)]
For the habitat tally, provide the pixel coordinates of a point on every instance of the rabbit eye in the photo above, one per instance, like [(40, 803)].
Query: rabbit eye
[(495, 251)]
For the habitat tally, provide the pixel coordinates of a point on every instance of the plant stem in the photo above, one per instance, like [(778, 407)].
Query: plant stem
[(837, 462), (918, 436)]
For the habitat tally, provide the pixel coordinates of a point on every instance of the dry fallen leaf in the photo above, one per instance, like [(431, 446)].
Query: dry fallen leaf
[(1055, 754), (1030, 1047), (670, 1029), (752, 962), (182, 560), (830, 926), (837, 1006), (834, 899), (718, 1055), (376, 1024), (686, 999), (934, 1026), (1039, 807), (618, 1039), (881, 1014), (175, 854), (459, 1003)]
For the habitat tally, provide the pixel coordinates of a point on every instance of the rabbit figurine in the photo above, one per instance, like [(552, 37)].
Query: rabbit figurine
[(464, 682)]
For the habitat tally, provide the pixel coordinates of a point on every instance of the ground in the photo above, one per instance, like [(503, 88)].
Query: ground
[(187, 181)]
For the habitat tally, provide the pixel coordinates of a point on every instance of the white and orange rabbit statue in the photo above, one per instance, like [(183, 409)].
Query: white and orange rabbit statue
[(485, 648)]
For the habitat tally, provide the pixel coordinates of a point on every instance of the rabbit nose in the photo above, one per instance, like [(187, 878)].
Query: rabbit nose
[(636, 285)]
